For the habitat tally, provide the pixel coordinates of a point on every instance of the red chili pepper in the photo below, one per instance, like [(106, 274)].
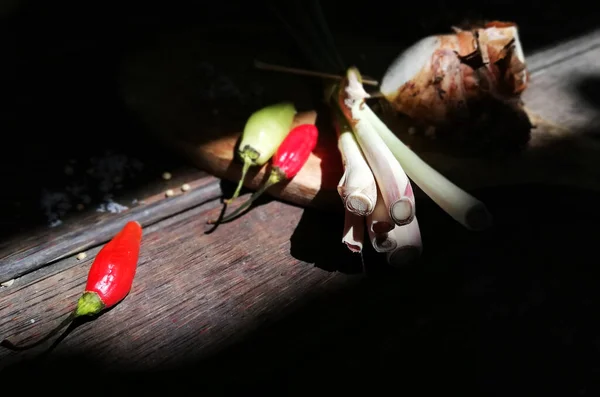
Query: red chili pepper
[(109, 280), (288, 160)]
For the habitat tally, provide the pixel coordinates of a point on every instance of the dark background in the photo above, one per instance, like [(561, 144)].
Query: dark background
[(60, 64), (525, 321)]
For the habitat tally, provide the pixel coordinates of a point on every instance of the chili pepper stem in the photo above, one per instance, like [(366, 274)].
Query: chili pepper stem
[(9, 345), (249, 156), (275, 177), (88, 304)]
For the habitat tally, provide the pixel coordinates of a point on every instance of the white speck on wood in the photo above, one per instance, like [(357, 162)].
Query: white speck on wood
[(55, 223), (112, 207), (8, 283)]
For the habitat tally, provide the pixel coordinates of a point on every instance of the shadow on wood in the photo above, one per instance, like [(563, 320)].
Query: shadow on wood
[(589, 89), (512, 308)]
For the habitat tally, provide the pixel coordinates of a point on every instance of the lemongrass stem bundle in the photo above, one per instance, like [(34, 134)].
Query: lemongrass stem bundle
[(459, 204), (391, 178), (380, 221), (409, 245), (357, 187), (354, 231)]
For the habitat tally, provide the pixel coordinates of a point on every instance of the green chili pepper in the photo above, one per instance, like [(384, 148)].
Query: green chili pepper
[(264, 131)]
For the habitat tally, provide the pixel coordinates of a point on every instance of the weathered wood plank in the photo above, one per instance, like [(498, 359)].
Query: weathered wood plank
[(550, 56), (196, 294), (558, 91), (530, 286), (42, 250), (75, 220), (215, 285)]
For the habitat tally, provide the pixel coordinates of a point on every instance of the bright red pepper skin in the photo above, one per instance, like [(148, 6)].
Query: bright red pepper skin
[(295, 150), (109, 280), (288, 160), (112, 272), (111, 275)]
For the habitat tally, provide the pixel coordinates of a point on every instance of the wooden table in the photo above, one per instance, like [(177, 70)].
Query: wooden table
[(274, 301)]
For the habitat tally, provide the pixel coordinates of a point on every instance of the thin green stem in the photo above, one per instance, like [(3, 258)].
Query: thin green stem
[(274, 178), (245, 168)]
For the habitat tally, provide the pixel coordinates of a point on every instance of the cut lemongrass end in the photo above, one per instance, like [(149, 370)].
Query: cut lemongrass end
[(389, 175), (403, 256), (359, 203), (383, 242), (354, 231), (380, 221), (402, 211), (357, 187), (478, 217), (409, 245), (456, 202)]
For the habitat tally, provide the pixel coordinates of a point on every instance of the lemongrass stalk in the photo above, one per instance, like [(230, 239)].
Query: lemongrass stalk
[(409, 245), (459, 204), (391, 178), (380, 221), (357, 187), (354, 231)]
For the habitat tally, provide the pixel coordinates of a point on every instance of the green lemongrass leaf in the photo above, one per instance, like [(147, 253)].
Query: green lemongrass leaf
[(456, 202)]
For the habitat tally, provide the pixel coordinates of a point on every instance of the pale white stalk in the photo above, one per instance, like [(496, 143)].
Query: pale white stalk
[(409, 245), (380, 221), (354, 231), (459, 204), (357, 187), (391, 178)]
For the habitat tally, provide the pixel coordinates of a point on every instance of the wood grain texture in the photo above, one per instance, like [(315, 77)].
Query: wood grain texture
[(237, 308), (558, 153), (21, 257), (197, 293), (192, 293)]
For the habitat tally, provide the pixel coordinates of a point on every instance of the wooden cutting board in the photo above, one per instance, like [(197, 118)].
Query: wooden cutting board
[(170, 94)]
